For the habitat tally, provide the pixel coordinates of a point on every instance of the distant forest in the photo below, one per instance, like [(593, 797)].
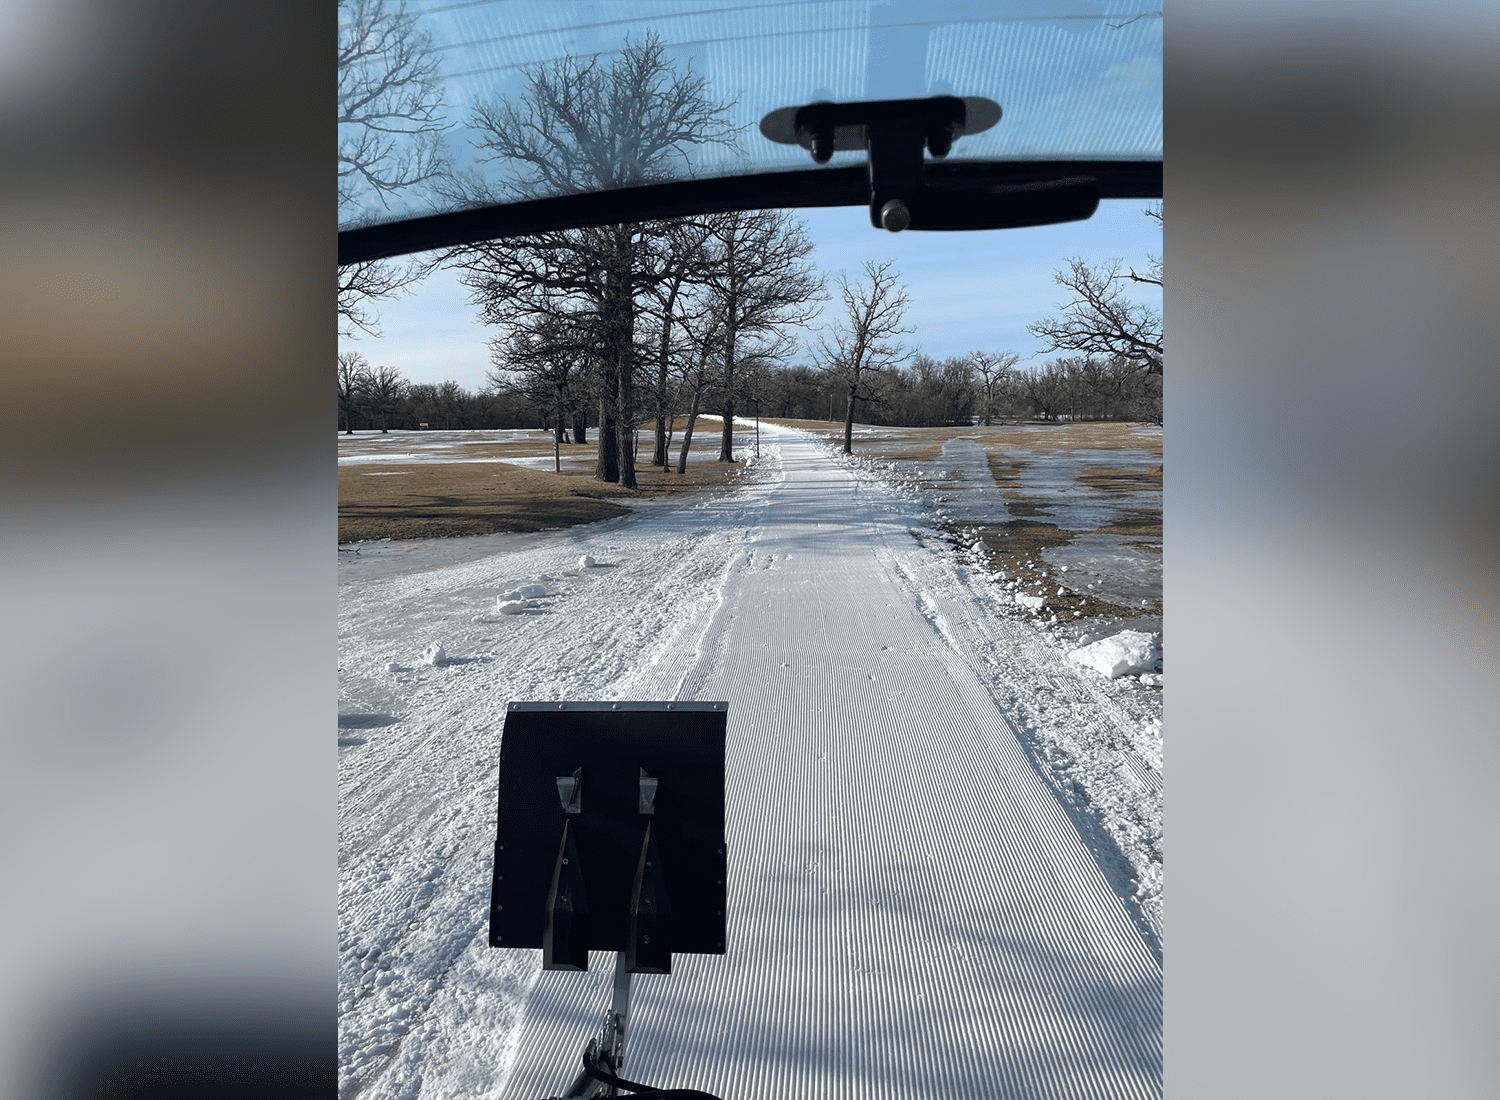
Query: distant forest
[(974, 388)]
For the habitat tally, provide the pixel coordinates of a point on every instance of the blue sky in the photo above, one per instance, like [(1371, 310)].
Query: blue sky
[(968, 290)]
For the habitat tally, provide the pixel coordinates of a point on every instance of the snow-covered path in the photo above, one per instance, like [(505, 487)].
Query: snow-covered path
[(913, 912)]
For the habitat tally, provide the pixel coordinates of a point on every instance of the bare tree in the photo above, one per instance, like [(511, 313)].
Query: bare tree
[(450, 401), (586, 125), (992, 369), (421, 401), (542, 360), (794, 392), (390, 102), (680, 260), (360, 283), (860, 349), (701, 376), (1101, 320), (1046, 388), (390, 121), (1155, 272), (353, 374), (383, 388), (757, 283)]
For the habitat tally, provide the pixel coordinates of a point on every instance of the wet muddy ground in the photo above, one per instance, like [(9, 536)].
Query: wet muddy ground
[(1071, 511)]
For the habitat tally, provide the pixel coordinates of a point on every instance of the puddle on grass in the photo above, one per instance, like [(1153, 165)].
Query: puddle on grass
[(1110, 568), (1104, 504), (1058, 482)]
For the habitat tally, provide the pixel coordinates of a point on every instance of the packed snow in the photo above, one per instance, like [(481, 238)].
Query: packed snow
[(921, 786)]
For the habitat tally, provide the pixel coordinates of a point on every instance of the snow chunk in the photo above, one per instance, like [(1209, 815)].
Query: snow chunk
[(1035, 603), (434, 655), (1122, 654), (512, 607), (525, 592), (587, 562), (1151, 679)]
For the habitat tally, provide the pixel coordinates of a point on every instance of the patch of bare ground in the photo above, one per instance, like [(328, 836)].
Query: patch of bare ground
[(1101, 434), (1007, 474), (1141, 525), (1015, 545), (1108, 479), (449, 499)]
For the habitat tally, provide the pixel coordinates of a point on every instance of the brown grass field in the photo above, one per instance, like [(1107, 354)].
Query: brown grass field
[(420, 500)]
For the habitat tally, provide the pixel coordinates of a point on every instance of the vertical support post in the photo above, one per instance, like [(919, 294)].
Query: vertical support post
[(608, 1050), (565, 941), (619, 1017), (649, 948), (895, 166)]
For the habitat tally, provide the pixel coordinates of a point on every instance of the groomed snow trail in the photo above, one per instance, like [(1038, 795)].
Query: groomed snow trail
[(912, 911)]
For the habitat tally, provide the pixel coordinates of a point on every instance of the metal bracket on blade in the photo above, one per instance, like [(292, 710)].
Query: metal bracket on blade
[(565, 939), (649, 949), (570, 792)]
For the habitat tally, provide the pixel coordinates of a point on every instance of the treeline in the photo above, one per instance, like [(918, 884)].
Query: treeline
[(379, 398), (974, 388)]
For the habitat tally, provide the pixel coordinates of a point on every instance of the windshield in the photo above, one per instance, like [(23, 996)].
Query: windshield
[(437, 129)]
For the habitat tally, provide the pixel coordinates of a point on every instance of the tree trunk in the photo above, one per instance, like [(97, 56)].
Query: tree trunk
[(620, 326), (607, 467), (580, 424), (849, 423), (659, 453), (687, 435), (726, 438), (659, 456), (625, 424)]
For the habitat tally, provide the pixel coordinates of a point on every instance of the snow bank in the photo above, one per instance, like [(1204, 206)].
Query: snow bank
[(1123, 654)]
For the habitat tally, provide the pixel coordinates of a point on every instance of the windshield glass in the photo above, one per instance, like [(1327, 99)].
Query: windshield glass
[(437, 101)]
